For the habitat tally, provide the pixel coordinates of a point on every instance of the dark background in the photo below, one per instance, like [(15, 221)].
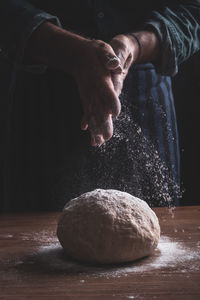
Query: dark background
[(186, 86)]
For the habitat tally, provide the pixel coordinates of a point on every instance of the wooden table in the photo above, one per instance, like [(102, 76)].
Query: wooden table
[(33, 266)]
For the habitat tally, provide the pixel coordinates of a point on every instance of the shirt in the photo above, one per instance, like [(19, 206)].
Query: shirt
[(175, 22)]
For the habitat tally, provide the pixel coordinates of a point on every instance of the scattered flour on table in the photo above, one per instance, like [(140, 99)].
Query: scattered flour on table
[(44, 235), (6, 236), (169, 254)]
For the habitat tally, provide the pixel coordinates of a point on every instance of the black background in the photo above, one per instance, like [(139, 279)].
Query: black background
[(186, 86)]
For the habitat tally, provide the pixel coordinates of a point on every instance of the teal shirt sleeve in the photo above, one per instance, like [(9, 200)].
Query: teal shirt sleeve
[(18, 20), (177, 26)]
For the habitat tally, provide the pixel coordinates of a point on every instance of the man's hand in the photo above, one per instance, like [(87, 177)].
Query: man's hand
[(100, 75), (140, 47), (98, 68), (99, 98), (87, 61), (127, 49)]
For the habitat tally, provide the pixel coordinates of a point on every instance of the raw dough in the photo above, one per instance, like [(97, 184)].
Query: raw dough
[(108, 226)]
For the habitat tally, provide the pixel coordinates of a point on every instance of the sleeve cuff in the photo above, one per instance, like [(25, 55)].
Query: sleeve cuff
[(167, 63)]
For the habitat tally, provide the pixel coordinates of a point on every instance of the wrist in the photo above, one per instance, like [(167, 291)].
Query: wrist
[(136, 46), (146, 46), (65, 49)]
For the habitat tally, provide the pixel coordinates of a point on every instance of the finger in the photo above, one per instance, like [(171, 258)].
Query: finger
[(118, 70), (124, 54), (104, 129), (107, 128), (84, 123), (99, 140), (114, 105), (113, 63), (120, 53), (94, 131), (128, 62), (101, 129), (108, 57), (109, 97), (93, 141), (118, 81)]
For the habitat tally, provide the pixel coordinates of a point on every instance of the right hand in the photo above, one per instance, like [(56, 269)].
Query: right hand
[(99, 98)]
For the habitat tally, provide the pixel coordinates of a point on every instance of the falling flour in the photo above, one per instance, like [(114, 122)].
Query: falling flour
[(129, 162), (132, 159)]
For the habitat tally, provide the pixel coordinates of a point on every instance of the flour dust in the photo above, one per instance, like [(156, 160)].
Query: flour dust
[(130, 162), (169, 254)]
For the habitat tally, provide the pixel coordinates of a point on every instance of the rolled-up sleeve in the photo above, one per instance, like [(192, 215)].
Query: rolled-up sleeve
[(177, 26), (18, 20)]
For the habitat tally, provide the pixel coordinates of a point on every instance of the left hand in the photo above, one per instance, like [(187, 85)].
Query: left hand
[(126, 49)]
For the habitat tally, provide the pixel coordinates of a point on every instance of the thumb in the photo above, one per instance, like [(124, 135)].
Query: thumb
[(113, 63), (109, 59), (117, 80)]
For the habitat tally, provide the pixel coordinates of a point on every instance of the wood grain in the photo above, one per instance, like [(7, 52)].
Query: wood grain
[(33, 266)]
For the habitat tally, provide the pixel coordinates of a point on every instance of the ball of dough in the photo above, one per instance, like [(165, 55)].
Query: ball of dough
[(108, 226)]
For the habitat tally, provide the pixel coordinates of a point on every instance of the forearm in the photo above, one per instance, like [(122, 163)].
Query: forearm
[(55, 47), (147, 46)]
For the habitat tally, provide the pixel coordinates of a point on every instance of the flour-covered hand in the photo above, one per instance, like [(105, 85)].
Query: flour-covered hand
[(99, 99), (127, 49)]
